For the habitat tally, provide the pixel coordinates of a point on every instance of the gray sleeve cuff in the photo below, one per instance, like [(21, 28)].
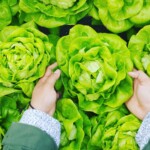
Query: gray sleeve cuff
[(43, 121), (143, 136)]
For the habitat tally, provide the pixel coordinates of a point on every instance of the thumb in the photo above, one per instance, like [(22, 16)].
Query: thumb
[(53, 77), (139, 75)]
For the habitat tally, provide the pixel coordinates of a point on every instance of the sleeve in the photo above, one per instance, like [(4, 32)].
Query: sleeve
[(35, 126), (43, 121), (26, 137), (143, 134)]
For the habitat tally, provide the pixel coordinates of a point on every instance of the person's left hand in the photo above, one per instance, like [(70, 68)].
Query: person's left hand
[(139, 103), (44, 95)]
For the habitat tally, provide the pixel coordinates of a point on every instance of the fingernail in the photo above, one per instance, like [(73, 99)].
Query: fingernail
[(132, 74), (57, 71)]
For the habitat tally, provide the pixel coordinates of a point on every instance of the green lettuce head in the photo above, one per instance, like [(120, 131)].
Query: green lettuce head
[(53, 13), (95, 65), (72, 124), (11, 107), (123, 133), (139, 46), (118, 15), (24, 56), (8, 9), (114, 130)]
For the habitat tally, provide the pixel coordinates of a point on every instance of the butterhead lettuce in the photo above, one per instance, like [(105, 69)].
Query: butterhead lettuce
[(8, 9), (95, 65), (54, 13), (120, 15), (72, 124), (24, 56), (11, 107), (114, 130), (139, 46)]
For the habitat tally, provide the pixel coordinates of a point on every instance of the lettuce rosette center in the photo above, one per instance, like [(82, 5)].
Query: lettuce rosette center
[(87, 68)]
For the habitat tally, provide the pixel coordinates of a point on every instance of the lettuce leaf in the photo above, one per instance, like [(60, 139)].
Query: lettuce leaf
[(8, 9), (139, 46)]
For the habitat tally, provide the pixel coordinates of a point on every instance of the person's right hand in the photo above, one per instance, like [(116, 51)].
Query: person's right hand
[(44, 95), (139, 103)]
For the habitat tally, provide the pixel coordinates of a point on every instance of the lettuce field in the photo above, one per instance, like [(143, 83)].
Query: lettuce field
[(95, 43)]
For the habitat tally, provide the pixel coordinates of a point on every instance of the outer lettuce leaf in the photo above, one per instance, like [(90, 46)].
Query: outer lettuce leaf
[(119, 16), (72, 124), (24, 56), (142, 17), (8, 9), (96, 66), (90, 106), (139, 46), (93, 12), (11, 107), (5, 16), (55, 13), (6, 90), (54, 37)]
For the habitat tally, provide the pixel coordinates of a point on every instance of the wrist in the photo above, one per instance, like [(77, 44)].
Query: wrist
[(30, 106), (50, 113), (43, 121)]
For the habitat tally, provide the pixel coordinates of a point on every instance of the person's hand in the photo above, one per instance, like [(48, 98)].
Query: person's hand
[(139, 103), (44, 95)]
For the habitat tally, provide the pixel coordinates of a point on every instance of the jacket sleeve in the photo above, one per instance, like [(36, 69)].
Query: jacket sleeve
[(44, 122), (143, 134), (27, 137), (147, 146)]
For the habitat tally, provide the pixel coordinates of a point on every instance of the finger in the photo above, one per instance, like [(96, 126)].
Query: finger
[(51, 80), (139, 75), (52, 66), (49, 69), (48, 72), (135, 80), (133, 74), (135, 85)]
